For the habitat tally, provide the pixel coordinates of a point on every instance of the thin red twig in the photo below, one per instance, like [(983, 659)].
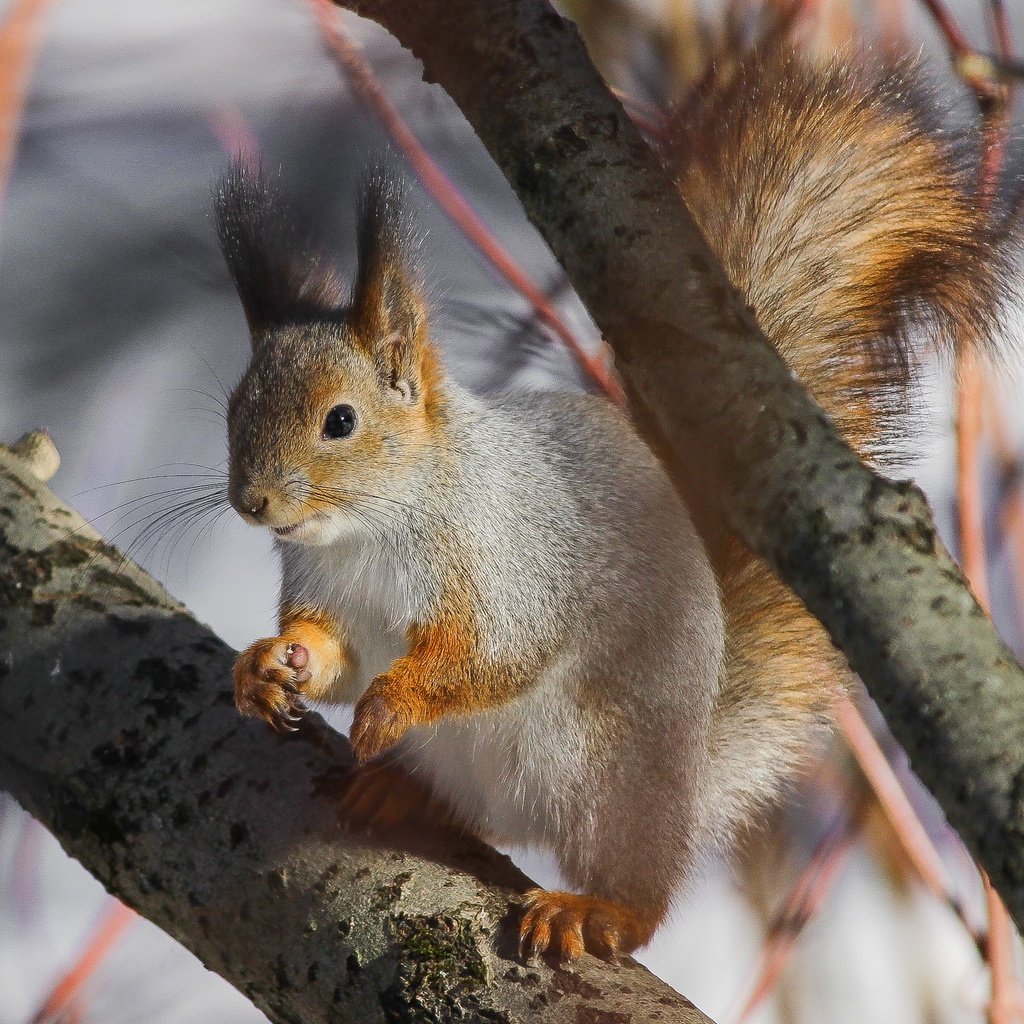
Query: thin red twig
[(895, 805), (447, 196), (232, 131), (1001, 29), (1005, 1000), (968, 479), (115, 920), (978, 70), (893, 17), (1006, 996), (20, 36), (958, 43), (994, 105), (1011, 474), (802, 903)]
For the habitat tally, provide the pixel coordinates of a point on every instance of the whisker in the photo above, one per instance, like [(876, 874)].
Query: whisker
[(150, 522), (348, 493), (194, 465), (223, 409), (132, 507), (156, 517), (213, 373), (154, 476), (135, 504), (214, 517), (174, 523)]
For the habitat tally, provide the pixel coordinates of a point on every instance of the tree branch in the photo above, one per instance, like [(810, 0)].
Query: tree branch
[(121, 736), (722, 407)]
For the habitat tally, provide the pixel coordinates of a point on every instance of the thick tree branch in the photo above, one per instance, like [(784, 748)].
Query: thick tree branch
[(120, 735), (861, 552)]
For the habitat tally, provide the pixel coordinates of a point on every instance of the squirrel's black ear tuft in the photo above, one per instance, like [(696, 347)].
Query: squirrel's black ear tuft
[(388, 305), (280, 276)]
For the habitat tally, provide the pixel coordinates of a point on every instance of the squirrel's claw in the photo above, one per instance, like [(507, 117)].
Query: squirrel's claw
[(269, 676)]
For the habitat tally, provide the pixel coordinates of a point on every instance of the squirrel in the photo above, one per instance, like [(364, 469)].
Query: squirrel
[(540, 645)]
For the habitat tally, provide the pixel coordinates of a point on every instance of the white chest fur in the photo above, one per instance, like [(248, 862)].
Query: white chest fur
[(500, 769), (374, 601), (514, 771)]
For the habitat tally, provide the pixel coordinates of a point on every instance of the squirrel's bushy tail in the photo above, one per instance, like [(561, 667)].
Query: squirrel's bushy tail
[(851, 230)]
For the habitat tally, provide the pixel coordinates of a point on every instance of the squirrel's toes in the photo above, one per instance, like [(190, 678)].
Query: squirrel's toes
[(270, 676), (385, 796), (561, 925)]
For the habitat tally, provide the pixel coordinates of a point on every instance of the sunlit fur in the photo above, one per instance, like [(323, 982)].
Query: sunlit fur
[(854, 234), (521, 602), (510, 589), (294, 380)]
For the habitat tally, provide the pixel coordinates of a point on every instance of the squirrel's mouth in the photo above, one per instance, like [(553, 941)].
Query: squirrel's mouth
[(287, 531)]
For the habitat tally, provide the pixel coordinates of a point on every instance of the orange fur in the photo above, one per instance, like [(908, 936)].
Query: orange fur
[(443, 674), (385, 796), (268, 686), (431, 382), (320, 635), (564, 924), (849, 228)]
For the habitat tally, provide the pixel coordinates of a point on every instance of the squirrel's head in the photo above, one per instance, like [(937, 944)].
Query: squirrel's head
[(344, 390)]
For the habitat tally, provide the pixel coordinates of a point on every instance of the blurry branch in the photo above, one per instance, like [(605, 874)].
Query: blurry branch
[(113, 924), (440, 187), (802, 903), (715, 398), (120, 735)]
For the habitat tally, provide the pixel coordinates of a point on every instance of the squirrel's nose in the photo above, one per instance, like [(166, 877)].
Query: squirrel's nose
[(253, 501)]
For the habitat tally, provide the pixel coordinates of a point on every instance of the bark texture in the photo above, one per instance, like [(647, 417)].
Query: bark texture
[(724, 409), (121, 736)]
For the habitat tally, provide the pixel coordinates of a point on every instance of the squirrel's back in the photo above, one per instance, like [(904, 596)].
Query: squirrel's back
[(588, 523), (851, 231)]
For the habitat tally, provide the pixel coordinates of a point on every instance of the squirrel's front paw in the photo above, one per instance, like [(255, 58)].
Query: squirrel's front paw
[(379, 722), (269, 678)]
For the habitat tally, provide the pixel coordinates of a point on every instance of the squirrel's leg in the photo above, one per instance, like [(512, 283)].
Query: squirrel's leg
[(627, 846), (441, 675), (308, 660)]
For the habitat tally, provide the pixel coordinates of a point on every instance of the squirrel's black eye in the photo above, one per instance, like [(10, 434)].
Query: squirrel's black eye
[(340, 422)]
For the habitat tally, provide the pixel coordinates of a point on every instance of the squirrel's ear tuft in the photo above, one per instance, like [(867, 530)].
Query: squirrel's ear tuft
[(280, 276), (388, 309)]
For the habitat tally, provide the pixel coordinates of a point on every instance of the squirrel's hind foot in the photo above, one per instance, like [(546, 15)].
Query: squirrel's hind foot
[(385, 796), (561, 925)]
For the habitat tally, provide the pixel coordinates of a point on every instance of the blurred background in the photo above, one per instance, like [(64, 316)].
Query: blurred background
[(120, 334)]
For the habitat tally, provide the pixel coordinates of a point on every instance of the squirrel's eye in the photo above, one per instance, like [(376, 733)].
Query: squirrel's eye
[(340, 422)]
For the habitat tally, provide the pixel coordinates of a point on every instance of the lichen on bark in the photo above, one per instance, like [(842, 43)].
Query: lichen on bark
[(121, 736)]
